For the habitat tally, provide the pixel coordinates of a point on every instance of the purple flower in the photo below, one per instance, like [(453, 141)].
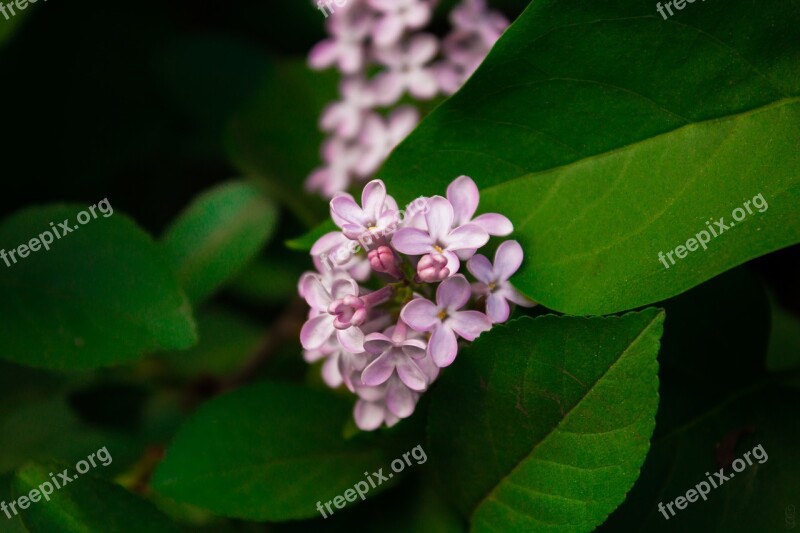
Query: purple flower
[(464, 196), (407, 70), (440, 237), (395, 351), (377, 212), (397, 16), (346, 49), (346, 117), (475, 17), (445, 320), (342, 158), (334, 256), (340, 312), (494, 283), (379, 136)]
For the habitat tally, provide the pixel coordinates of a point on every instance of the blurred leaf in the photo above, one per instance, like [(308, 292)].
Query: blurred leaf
[(49, 429), (307, 240), (85, 505), (101, 295), (10, 25), (268, 281), (217, 235), (604, 149), (755, 500), (714, 341), (226, 339), (265, 452), (275, 137), (784, 341), (544, 423)]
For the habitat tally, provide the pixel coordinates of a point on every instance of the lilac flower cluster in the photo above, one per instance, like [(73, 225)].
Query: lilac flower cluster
[(388, 345), (366, 35)]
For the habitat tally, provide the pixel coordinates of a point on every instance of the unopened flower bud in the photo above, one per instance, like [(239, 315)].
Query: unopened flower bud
[(382, 259), (432, 268)]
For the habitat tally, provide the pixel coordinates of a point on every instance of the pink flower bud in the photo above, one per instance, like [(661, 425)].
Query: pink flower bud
[(432, 268), (348, 311), (383, 260)]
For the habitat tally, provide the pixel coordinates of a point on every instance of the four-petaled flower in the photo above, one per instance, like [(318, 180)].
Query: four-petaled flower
[(444, 319), (493, 280)]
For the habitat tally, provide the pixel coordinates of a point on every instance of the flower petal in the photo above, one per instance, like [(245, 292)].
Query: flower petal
[(412, 241), (377, 343), (352, 339), (469, 324), (497, 308), (494, 224), (439, 218), (420, 314), (368, 415), (316, 331), (480, 267), (513, 295), (315, 294), (373, 198), (344, 209), (400, 400), (466, 236), (330, 372), (411, 375), (453, 293), (414, 348), (378, 371), (464, 196), (507, 259), (443, 346)]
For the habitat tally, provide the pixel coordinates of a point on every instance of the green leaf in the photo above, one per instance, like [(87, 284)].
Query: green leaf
[(543, 423), (85, 505), (784, 342), (265, 452), (716, 404), (272, 281), (217, 235), (307, 240), (754, 500), (226, 339), (608, 135), (49, 429), (101, 295), (275, 138)]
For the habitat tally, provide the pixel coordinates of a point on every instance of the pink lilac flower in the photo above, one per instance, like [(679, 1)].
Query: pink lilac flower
[(396, 352), (397, 16), (445, 320), (377, 212), (345, 49), (380, 135), (345, 118), (408, 70), (349, 329), (493, 280), (440, 237), (342, 158)]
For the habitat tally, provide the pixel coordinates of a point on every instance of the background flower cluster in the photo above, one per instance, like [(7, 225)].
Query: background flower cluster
[(383, 55)]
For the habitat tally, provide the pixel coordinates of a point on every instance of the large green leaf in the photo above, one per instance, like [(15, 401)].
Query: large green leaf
[(717, 403), (543, 423), (609, 135), (84, 505), (266, 452), (217, 235), (101, 295)]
